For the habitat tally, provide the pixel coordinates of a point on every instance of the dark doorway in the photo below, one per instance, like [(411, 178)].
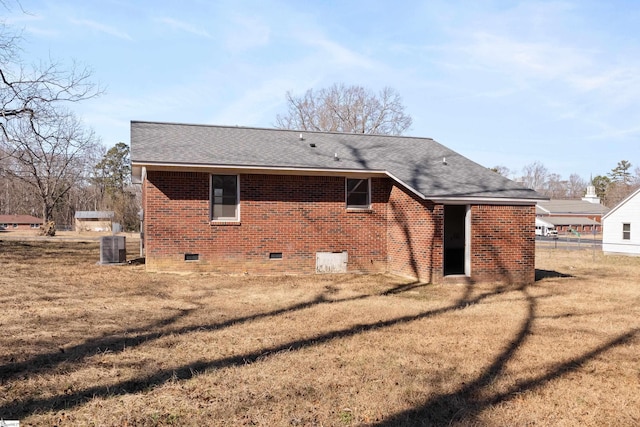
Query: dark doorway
[(454, 239)]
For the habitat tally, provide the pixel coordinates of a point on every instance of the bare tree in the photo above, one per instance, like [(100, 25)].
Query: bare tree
[(351, 109), (555, 187), (16, 197), (576, 186), (50, 158), (617, 192), (28, 98), (635, 180), (502, 170), (535, 176), (42, 139)]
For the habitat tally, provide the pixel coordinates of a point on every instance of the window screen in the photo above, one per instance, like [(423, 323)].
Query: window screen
[(358, 194), (224, 197)]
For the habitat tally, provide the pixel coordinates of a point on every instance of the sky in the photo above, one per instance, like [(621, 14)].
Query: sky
[(504, 83)]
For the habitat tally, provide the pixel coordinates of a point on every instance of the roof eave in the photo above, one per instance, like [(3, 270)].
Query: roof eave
[(465, 200), (139, 168)]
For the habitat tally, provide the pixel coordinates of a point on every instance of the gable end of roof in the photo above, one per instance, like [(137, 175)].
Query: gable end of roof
[(622, 203)]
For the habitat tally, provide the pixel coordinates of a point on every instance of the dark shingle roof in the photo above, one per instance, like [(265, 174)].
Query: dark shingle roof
[(417, 163)]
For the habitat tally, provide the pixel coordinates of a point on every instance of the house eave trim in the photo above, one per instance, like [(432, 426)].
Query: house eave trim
[(466, 200), (482, 201), (286, 170), (140, 168), (408, 187)]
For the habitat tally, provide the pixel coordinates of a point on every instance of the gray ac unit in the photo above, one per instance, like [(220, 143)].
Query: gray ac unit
[(113, 250)]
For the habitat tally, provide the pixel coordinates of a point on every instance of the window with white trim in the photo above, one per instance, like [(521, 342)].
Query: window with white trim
[(358, 193), (626, 231), (224, 197)]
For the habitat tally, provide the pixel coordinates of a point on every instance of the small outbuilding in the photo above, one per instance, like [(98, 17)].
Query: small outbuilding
[(94, 221), (621, 234)]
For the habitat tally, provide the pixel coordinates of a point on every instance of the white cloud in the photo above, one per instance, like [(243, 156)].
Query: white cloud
[(618, 133), (22, 18), (252, 106), (246, 33), (539, 60), (183, 26), (340, 54), (31, 22), (574, 81), (97, 26), (41, 32)]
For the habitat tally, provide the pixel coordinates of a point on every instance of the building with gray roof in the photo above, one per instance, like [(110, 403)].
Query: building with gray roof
[(226, 198), (570, 214), (427, 168)]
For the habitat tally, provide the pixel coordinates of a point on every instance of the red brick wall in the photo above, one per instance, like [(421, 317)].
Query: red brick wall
[(302, 215), (414, 236), (502, 240), (503, 243), (295, 215)]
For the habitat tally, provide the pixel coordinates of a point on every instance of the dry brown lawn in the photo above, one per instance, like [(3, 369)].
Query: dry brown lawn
[(83, 344)]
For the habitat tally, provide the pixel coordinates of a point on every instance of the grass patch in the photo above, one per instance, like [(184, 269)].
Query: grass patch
[(84, 344)]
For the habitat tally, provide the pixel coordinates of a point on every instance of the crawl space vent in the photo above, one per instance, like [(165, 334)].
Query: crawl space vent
[(191, 257)]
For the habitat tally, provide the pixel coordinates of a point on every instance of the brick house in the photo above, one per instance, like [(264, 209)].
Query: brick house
[(268, 201), (19, 222)]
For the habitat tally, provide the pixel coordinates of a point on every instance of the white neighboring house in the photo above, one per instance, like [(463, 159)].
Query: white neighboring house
[(621, 227)]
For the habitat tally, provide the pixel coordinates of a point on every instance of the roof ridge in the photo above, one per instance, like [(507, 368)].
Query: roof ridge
[(281, 130)]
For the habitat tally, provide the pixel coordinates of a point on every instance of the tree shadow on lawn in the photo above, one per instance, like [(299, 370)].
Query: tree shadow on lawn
[(407, 287), (132, 338), (551, 274), (21, 409), (464, 404)]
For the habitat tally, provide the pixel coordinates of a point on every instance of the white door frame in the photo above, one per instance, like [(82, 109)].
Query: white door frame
[(467, 241)]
